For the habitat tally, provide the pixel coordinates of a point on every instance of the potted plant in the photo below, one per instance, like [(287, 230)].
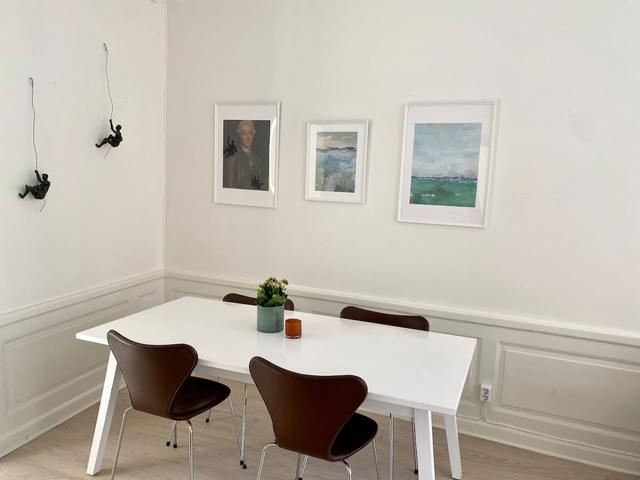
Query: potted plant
[(271, 297)]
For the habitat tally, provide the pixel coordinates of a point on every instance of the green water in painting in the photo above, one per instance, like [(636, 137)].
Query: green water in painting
[(451, 192)]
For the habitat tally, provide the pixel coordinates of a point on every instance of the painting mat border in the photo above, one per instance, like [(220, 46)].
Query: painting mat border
[(362, 151), (476, 217), (246, 111)]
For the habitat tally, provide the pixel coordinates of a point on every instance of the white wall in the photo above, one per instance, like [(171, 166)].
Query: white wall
[(562, 243), (104, 217), (550, 286), (96, 251)]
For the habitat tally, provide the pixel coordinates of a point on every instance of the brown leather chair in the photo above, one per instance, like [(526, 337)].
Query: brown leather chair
[(314, 416), (415, 322), (246, 300), (173, 432), (159, 381)]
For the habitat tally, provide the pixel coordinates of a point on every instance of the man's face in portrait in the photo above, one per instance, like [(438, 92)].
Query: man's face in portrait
[(246, 135)]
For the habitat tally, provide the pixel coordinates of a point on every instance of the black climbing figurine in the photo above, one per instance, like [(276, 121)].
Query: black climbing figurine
[(112, 140), (231, 148), (38, 191)]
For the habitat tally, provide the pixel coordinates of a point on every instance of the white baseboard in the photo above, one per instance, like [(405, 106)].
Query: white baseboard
[(59, 414), (548, 445), (46, 375), (558, 389)]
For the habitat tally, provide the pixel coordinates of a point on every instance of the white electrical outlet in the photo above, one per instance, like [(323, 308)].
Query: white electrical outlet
[(485, 392)]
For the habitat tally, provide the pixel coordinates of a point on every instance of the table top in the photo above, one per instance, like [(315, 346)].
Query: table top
[(405, 367)]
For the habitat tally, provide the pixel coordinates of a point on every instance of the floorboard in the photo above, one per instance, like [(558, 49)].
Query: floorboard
[(62, 452)]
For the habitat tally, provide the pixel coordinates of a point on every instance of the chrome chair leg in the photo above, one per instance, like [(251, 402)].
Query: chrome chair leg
[(175, 436), (120, 435), (304, 465), (211, 409), (191, 469), (415, 448), (348, 467), (375, 459), (174, 425), (298, 465), (244, 428), (235, 424), (391, 452), (264, 453)]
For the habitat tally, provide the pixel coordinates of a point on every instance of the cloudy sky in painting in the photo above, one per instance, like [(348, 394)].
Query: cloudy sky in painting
[(446, 149), (336, 140)]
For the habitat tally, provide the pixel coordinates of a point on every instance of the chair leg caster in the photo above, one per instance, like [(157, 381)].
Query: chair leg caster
[(415, 471), (243, 465), (206, 420), (175, 445), (168, 444)]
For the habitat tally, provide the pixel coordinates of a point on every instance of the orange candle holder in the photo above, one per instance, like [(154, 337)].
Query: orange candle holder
[(293, 328)]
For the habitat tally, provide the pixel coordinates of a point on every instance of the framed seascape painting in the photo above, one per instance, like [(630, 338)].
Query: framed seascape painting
[(447, 157), (246, 154), (336, 161)]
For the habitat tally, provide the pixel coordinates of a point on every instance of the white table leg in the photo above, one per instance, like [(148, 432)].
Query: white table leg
[(424, 445), (105, 414), (451, 425)]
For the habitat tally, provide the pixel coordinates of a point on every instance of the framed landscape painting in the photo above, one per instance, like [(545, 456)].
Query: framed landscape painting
[(246, 154), (336, 161), (447, 157)]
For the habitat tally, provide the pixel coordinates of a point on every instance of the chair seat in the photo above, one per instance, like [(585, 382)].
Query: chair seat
[(197, 395), (356, 434)]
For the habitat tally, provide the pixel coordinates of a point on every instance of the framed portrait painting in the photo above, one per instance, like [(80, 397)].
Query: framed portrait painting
[(246, 154), (447, 158), (337, 161)]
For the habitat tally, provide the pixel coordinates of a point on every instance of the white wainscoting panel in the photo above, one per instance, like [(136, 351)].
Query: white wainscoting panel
[(557, 388), (544, 381), (47, 376)]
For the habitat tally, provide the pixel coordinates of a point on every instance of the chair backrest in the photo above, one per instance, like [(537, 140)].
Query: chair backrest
[(307, 411), (415, 322), (153, 373), (245, 300)]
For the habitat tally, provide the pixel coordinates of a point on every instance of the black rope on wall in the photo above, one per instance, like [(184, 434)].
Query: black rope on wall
[(40, 190), (33, 127), (106, 74), (115, 138)]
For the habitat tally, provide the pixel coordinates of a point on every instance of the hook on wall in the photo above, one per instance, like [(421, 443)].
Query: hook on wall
[(40, 190)]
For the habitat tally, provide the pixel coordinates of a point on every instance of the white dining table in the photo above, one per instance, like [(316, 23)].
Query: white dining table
[(408, 372)]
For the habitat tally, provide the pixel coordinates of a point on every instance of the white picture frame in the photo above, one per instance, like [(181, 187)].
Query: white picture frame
[(246, 175), (447, 162), (341, 146)]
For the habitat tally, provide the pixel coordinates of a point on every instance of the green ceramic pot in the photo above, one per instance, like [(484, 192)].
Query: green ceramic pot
[(270, 319)]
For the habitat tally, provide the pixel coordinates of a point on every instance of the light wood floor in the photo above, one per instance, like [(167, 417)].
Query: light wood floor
[(62, 452)]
